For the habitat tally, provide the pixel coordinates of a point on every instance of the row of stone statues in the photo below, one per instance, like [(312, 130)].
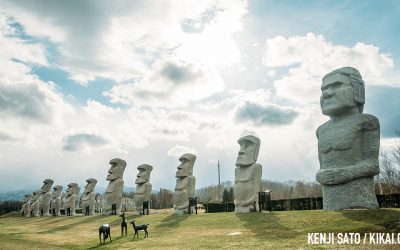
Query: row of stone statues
[(348, 149), (43, 202), (247, 184)]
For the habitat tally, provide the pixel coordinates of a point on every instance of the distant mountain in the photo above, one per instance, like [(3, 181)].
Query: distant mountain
[(19, 194), (14, 195)]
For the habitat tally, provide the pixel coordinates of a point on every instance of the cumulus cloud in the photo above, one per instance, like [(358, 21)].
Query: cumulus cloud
[(22, 94), (172, 83), (103, 39), (178, 151), (27, 100), (264, 114), (310, 57), (5, 137), (78, 141)]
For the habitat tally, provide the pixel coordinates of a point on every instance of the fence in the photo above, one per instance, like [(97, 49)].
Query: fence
[(384, 201)]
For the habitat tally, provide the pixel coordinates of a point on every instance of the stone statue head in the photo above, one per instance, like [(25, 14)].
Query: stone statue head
[(47, 185), (57, 191), (116, 170), (35, 195), (27, 198), (186, 166), (90, 185), (144, 173), (72, 189), (249, 148), (342, 90)]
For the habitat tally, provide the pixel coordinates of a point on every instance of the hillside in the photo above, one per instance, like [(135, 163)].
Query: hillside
[(275, 230)]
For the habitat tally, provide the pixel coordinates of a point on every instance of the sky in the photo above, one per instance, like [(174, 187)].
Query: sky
[(83, 82)]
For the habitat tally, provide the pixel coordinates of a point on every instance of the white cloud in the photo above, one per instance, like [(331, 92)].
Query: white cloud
[(27, 103), (172, 83), (310, 57), (269, 114), (178, 151), (119, 40)]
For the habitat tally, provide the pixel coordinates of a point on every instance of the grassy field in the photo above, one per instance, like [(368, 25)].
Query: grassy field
[(276, 230)]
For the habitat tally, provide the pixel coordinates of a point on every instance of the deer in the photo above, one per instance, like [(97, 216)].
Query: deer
[(105, 230), (138, 228), (124, 225)]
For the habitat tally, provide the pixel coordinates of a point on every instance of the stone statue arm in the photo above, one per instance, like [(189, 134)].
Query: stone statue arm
[(192, 185), (257, 173), (92, 198), (147, 191), (369, 164), (191, 192), (119, 189), (257, 184)]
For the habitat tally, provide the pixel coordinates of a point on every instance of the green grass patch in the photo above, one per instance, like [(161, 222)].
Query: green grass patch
[(276, 230)]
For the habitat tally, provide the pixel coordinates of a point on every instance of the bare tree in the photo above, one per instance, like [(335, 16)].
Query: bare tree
[(389, 177)]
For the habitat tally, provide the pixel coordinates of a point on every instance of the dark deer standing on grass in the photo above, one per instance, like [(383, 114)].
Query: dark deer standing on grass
[(138, 228), (124, 225), (105, 230)]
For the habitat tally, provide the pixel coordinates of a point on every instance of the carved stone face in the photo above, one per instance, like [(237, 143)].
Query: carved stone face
[(337, 95), (35, 195), (72, 189), (47, 185), (27, 198), (116, 170), (248, 153), (186, 166), (144, 173), (91, 184), (57, 191)]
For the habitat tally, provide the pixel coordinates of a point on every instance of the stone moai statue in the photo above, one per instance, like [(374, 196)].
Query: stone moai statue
[(97, 204), (247, 175), (35, 205), (70, 201), (185, 184), (45, 197), (143, 186), (78, 198), (55, 204), (348, 144), (26, 207), (113, 195), (89, 197)]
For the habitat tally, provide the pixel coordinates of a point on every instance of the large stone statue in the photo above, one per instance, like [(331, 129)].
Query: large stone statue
[(185, 184), (88, 197), (143, 187), (348, 144), (78, 198), (55, 204), (113, 195), (98, 207), (45, 197), (247, 175), (35, 205), (26, 207), (70, 201)]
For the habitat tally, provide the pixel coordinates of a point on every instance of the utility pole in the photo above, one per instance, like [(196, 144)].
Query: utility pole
[(219, 178)]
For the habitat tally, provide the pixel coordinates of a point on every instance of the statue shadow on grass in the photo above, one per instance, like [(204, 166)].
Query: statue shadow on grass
[(173, 220), (374, 217), (88, 219), (266, 225), (107, 243)]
